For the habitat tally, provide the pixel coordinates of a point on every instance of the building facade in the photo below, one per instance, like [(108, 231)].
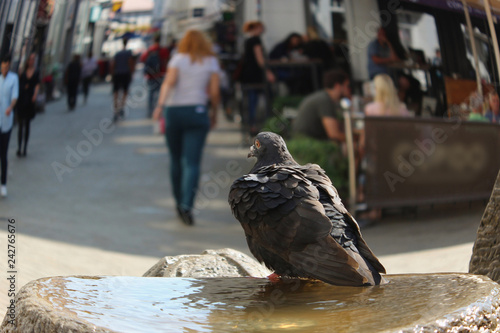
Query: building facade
[(23, 27)]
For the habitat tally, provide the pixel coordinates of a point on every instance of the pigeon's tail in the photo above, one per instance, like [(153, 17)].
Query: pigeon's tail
[(365, 269), (329, 262)]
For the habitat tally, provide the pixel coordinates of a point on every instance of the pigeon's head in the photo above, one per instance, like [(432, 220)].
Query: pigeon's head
[(270, 148)]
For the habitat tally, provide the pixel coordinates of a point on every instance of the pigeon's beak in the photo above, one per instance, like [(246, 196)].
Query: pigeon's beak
[(252, 152)]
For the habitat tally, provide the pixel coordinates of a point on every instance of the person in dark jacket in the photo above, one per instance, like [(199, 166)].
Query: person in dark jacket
[(122, 67), (29, 85), (155, 61), (72, 80), (254, 72), (284, 49), (317, 49)]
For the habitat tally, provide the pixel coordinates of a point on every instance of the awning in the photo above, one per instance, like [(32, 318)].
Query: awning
[(480, 5), (476, 6), (487, 9)]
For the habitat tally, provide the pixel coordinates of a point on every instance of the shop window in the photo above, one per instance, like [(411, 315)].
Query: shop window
[(418, 35), (484, 52)]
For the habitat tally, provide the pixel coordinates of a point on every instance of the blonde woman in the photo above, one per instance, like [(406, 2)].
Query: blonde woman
[(386, 104), (386, 101), (191, 81)]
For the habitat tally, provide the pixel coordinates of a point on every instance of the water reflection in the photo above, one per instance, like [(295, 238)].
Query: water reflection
[(130, 304)]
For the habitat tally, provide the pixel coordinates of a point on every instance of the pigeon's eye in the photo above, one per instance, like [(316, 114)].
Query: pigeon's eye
[(257, 144)]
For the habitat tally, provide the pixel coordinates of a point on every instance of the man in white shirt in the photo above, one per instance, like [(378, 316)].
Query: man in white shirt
[(9, 92)]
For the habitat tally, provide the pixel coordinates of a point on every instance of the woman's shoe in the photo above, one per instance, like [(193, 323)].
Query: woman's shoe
[(186, 216), (179, 211)]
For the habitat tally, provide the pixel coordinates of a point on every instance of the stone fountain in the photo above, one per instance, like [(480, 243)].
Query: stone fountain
[(225, 291), (194, 299)]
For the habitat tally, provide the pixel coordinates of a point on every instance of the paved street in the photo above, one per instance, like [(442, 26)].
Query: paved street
[(94, 199)]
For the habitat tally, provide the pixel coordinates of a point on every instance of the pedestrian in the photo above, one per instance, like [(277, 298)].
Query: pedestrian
[(72, 80), (29, 85), (122, 68), (155, 61), (254, 71), (9, 93), (89, 67), (192, 80)]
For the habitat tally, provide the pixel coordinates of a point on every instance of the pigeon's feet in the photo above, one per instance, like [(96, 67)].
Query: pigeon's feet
[(274, 277)]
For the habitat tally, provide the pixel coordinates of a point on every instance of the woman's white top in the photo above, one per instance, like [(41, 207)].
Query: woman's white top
[(191, 87), (378, 109)]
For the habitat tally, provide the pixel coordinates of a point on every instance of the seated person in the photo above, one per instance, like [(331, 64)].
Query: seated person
[(476, 105), (316, 48), (320, 114), (289, 49), (381, 54), (284, 49), (493, 112), (386, 102), (409, 92)]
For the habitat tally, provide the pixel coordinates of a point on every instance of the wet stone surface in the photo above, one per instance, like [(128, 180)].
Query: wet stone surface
[(416, 303), (210, 263)]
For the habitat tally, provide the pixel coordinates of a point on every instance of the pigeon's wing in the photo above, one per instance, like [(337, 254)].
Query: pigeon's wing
[(339, 215), (287, 229)]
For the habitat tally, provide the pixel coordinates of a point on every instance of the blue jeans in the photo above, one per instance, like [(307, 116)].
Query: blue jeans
[(253, 101), (185, 132), (154, 86), (4, 147)]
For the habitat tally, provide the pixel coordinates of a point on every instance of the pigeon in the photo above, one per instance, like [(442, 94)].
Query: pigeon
[(294, 220)]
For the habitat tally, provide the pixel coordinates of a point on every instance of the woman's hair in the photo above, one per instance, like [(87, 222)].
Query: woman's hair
[(289, 38), (250, 25), (196, 44), (386, 94)]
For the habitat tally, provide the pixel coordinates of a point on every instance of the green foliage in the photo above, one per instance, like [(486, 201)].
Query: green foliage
[(327, 155), (280, 102), (279, 125)]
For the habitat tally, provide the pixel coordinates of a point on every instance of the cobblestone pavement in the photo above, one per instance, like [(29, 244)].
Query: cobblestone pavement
[(94, 199)]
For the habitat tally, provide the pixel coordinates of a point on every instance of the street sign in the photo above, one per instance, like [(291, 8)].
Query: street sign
[(95, 14)]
